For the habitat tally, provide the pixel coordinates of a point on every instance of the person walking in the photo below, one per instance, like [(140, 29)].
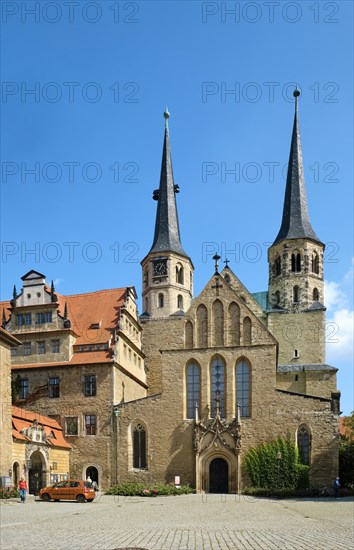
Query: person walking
[(336, 486), (23, 489)]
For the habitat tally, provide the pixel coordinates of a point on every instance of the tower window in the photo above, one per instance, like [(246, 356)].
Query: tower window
[(315, 264), (277, 297), (296, 294), (315, 295), (179, 274), (179, 301), (160, 300), (277, 264), (296, 262)]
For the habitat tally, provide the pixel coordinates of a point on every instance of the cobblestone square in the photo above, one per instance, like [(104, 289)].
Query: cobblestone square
[(193, 522)]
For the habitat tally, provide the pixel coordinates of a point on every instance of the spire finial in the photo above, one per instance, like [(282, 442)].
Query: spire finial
[(65, 311), (296, 94), (166, 116), (216, 258), (14, 294)]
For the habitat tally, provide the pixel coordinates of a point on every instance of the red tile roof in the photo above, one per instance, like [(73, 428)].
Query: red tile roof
[(22, 419), (100, 307)]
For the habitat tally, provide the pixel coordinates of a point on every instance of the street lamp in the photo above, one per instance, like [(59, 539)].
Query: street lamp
[(279, 457)]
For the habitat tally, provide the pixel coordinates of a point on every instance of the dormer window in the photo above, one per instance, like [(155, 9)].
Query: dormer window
[(44, 317)]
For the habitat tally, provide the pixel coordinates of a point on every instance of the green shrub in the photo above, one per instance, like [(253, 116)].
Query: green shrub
[(266, 471), (9, 492), (141, 489)]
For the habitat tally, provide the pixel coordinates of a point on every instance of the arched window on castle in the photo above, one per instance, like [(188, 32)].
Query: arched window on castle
[(277, 265), (179, 274), (315, 295), (193, 388), (179, 301), (296, 262), (296, 294), (188, 337), (234, 324), (247, 331), (304, 444), (217, 386), (243, 388), (139, 447), (202, 326), (315, 263), (218, 323), (160, 300)]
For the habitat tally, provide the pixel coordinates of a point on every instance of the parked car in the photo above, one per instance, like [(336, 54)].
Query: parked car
[(72, 489)]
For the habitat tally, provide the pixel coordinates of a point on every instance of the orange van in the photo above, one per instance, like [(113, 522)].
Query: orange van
[(72, 489)]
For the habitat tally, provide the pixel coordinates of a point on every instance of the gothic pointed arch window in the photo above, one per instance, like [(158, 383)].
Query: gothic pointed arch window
[(160, 300), (277, 265), (315, 295), (139, 447), (193, 388), (304, 444), (217, 385), (179, 301), (188, 335), (234, 324), (247, 331), (202, 326), (315, 263), (218, 323), (296, 294), (243, 387)]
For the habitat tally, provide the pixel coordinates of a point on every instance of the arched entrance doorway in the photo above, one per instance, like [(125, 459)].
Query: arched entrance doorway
[(218, 476), (16, 473), (92, 472), (35, 473)]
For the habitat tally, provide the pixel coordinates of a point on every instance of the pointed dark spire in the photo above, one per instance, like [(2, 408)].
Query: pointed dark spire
[(14, 294), (67, 322), (167, 237), (296, 222), (52, 289)]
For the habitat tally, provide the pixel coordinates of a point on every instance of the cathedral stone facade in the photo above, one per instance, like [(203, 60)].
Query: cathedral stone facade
[(214, 375)]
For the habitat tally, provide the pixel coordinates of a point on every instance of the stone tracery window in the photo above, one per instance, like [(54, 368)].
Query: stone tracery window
[(139, 447), (193, 388), (304, 444), (217, 386), (243, 388)]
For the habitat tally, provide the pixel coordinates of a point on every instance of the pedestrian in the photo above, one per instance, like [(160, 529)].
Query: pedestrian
[(23, 489), (336, 486), (89, 479), (94, 485)]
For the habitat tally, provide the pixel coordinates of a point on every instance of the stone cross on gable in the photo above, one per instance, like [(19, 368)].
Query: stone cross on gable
[(217, 286)]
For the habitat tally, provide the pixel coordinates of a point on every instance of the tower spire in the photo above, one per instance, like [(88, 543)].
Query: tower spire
[(167, 236), (296, 222)]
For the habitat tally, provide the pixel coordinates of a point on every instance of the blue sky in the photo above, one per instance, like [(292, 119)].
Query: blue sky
[(91, 131)]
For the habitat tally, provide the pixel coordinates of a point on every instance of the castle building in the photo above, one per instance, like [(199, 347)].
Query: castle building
[(190, 386)]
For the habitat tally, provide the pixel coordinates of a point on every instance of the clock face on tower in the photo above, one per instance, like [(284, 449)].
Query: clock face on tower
[(160, 268)]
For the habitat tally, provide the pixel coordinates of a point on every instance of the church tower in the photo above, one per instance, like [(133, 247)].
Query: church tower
[(295, 259), (167, 270)]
